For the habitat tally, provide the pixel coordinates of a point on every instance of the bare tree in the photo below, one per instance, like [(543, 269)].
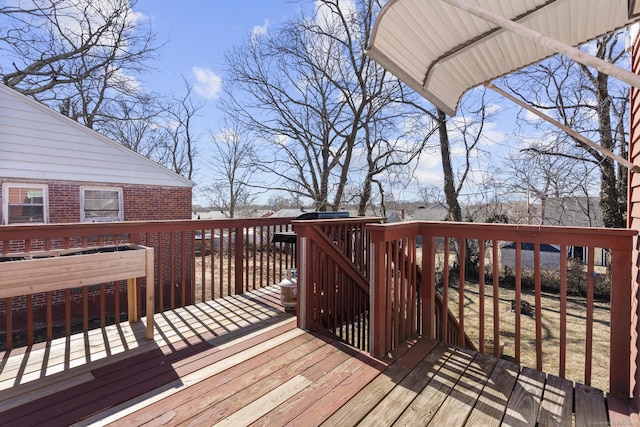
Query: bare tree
[(281, 201), (73, 55), (310, 91), (590, 103), (179, 148), (232, 169), (541, 174), (467, 131), (137, 124)]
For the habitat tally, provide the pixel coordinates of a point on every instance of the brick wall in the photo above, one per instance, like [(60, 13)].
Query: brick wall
[(160, 203), (141, 203)]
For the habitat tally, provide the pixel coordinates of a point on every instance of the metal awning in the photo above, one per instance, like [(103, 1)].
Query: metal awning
[(442, 48)]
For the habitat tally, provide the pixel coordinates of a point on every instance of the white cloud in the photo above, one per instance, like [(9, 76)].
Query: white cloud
[(208, 84), (259, 30), (130, 82)]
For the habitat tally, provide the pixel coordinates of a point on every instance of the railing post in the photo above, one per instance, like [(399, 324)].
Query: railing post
[(427, 285), (377, 318), (150, 276), (239, 259), (305, 280), (622, 358)]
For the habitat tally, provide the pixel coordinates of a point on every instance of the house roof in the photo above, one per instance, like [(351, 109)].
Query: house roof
[(525, 246), (573, 212), (433, 212), (441, 51), (38, 143)]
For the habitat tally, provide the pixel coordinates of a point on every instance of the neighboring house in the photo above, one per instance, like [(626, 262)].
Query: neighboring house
[(566, 212), (573, 212), (434, 212), (549, 256), (576, 212), (55, 170)]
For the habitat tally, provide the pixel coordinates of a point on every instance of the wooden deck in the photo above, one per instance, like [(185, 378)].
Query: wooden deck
[(242, 361)]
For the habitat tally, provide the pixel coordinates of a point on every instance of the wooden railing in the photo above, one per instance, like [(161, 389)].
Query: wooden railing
[(333, 278), (194, 261), (372, 285), (483, 299)]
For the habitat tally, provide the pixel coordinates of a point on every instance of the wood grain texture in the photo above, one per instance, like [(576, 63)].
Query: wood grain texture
[(242, 361), (523, 406), (557, 402), (491, 405)]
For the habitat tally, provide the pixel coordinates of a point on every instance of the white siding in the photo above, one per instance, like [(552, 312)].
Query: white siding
[(548, 260), (39, 143)]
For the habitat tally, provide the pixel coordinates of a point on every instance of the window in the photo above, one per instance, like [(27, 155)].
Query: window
[(24, 203), (101, 204)]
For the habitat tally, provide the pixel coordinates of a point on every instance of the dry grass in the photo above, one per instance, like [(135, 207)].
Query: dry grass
[(550, 306), (261, 270)]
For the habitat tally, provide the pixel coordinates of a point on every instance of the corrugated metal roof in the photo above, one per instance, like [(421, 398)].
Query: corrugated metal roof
[(442, 51)]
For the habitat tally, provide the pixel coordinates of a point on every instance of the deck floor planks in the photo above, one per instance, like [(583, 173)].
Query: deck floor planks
[(462, 398), (589, 406), (403, 394), (323, 408), (109, 390), (557, 402), (265, 403), (76, 361), (241, 360), (492, 403), (82, 348), (323, 382), (198, 397), (190, 380), (264, 383), (369, 397), (452, 366), (524, 404)]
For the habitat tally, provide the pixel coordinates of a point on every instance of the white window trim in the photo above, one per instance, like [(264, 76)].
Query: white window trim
[(5, 200), (120, 200)]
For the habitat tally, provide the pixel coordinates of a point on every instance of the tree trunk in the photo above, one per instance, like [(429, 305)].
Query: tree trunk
[(612, 212), (365, 196), (451, 196)]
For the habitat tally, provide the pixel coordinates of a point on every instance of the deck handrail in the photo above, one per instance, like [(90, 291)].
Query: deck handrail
[(184, 271), (399, 236), (333, 272)]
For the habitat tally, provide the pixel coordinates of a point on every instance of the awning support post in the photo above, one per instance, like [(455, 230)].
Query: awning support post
[(551, 43), (567, 129)]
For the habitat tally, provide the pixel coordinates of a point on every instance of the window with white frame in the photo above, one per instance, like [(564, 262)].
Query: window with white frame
[(101, 204), (24, 203)]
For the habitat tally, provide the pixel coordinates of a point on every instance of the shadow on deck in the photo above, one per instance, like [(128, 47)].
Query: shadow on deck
[(241, 360)]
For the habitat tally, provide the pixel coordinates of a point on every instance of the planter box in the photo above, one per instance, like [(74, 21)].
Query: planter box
[(33, 272), (489, 346)]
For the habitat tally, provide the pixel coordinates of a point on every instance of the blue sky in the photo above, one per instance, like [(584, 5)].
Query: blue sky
[(197, 33)]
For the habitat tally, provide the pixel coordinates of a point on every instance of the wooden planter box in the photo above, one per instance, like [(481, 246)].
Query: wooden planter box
[(489, 346), (32, 272)]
